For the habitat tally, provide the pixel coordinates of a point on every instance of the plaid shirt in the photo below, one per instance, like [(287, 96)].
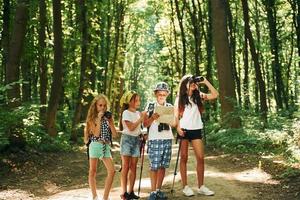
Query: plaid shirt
[(105, 135)]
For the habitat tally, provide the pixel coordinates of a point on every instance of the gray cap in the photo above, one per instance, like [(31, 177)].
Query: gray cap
[(161, 86)]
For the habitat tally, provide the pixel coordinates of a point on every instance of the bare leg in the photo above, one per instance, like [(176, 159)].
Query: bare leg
[(110, 168), (132, 173), (199, 154), (183, 160), (124, 172), (153, 178), (160, 177), (92, 175)]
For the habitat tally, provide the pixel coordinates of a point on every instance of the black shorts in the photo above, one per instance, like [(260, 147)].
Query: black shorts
[(192, 134)]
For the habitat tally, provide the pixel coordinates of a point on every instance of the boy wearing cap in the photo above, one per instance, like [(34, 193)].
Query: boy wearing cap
[(159, 142)]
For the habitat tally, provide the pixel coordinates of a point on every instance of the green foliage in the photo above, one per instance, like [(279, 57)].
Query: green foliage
[(25, 120), (290, 173), (280, 137)]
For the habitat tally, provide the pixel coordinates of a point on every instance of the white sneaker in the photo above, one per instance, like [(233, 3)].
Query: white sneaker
[(204, 190), (96, 198), (187, 191)]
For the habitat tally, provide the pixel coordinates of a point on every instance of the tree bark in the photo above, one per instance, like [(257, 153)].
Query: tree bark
[(182, 33), (42, 59), (15, 52), (274, 43), (83, 64), (56, 86), (223, 58), (259, 78), (5, 38)]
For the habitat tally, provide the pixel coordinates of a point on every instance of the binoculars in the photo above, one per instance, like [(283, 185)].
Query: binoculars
[(107, 114), (196, 79), (163, 126)]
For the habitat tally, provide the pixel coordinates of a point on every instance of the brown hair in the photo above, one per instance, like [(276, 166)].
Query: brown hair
[(183, 98), (125, 107)]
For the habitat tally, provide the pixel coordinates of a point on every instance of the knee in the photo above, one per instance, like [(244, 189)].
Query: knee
[(133, 167), (92, 172), (111, 172), (200, 160), (183, 159)]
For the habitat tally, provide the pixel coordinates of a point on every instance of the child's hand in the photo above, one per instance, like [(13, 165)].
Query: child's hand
[(180, 132), (143, 115), (155, 116)]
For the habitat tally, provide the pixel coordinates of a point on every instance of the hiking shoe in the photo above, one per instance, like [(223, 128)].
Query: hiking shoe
[(187, 191), (125, 196), (205, 191), (133, 196), (152, 196), (161, 195)]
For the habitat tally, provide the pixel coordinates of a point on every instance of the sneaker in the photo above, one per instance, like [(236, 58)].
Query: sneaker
[(125, 196), (133, 196), (152, 196), (204, 190), (96, 198), (187, 191), (161, 195)]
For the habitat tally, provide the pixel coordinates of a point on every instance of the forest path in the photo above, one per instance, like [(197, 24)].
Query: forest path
[(63, 176)]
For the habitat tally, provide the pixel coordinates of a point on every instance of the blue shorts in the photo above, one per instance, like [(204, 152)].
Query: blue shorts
[(159, 153), (130, 145), (99, 150)]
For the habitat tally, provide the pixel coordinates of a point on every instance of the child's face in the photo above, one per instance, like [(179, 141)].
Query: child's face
[(101, 105), (161, 96), (135, 103), (191, 87)]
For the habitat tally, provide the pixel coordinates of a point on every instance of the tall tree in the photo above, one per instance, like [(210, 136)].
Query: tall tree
[(280, 94), (15, 52), (42, 59), (56, 86), (119, 19), (180, 14), (5, 36), (255, 58), (83, 66), (223, 58)]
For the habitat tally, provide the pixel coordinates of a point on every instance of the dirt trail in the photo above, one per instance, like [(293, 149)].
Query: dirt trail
[(64, 176)]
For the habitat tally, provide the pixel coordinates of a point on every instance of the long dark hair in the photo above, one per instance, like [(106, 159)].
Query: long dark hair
[(125, 106), (184, 98)]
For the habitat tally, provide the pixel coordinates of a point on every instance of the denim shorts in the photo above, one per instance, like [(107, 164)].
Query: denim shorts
[(130, 145), (159, 153), (99, 150)]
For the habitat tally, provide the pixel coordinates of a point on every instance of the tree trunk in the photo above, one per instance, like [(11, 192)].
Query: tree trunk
[(120, 8), (197, 36), (182, 33), (246, 76), (259, 78), (5, 39), (83, 64), (56, 86), (15, 52), (223, 58), (42, 60), (274, 43), (232, 41), (177, 61), (26, 75)]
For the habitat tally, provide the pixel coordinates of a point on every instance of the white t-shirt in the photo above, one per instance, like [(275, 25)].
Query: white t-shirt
[(132, 117), (191, 118), (153, 130)]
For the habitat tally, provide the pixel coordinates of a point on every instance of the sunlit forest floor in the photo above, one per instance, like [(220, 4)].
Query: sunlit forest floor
[(63, 176)]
